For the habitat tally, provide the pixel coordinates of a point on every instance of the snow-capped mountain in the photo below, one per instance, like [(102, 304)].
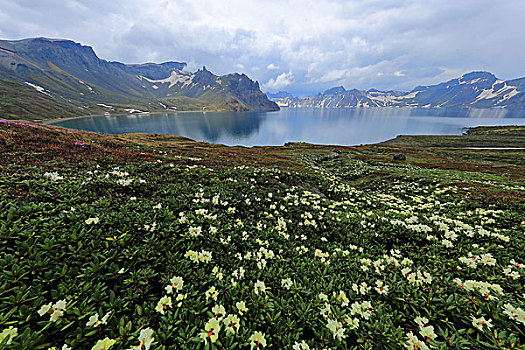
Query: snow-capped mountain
[(476, 89)]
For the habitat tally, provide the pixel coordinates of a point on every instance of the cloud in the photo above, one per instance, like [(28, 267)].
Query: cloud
[(321, 43), (280, 82)]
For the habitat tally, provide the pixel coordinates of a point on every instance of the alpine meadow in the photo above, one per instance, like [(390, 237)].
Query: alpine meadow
[(302, 175)]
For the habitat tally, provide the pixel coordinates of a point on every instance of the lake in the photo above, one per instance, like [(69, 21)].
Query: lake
[(352, 126)]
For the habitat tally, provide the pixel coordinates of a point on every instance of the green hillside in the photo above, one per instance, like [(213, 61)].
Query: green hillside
[(71, 77)]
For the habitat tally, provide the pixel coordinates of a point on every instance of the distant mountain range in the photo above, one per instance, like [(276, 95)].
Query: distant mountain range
[(476, 89), (42, 77)]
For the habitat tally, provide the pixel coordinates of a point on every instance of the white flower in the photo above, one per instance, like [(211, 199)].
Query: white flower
[(53, 176), (45, 308), (93, 320), (342, 296), (516, 314), (57, 309), (145, 339), (211, 293), (415, 344), (286, 283), (421, 321), (352, 323), (259, 287), (239, 273), (480, 322), (257, 340), (325, 312), (175, 283), (195, 231), (56, 315), (381, 288), (218, 310), (205, 256), (104, 344), (211, 331), (106, 317), (427, 332), (241, 306), (93, 221), (9, 333), (337, 329), (163, 304), (232, 323), (301, 346)]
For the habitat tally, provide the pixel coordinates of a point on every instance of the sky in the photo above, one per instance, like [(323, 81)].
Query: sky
[(300, 46)]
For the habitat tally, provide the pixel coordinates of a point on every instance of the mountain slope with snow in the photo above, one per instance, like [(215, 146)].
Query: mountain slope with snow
[(72, 74), (476, 89)]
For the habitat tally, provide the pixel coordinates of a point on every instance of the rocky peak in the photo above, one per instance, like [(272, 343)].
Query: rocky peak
[(335, 91)]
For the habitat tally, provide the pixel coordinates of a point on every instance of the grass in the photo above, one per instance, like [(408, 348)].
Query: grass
[(326, 246)]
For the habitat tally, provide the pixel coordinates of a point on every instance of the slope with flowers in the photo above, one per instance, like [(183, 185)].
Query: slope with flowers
[(154, 241)]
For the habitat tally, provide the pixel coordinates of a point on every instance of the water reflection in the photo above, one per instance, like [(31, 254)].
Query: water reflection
[(314, 125)]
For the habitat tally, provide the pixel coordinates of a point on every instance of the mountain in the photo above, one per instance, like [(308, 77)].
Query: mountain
[(71, 78), (475, 89), (280, 94)]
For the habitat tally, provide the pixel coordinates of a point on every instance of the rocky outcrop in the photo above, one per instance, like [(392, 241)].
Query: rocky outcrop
[(70, 72)]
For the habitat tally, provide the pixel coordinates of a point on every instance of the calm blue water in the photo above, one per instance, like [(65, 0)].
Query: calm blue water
[(312, 125)]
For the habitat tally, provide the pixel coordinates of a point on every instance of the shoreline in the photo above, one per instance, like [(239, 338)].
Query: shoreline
[(58, 120), (467, 131)]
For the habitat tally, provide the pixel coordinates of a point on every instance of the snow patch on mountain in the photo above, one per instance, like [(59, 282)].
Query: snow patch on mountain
[(175, 78), (510, 94), (38, 88), (407, 96), (87, 86)]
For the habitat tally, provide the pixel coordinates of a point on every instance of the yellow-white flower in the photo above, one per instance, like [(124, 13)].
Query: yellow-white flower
[(301, 346), (218, 310), (414, 343), (232, 323), (145, 339), (211, 293), (241, 306), (175, 283), (286, 283), (163, 304), (211, 331), (514, 313), (45, 308), (103, 344), (259, 287), (257, 340), (93, 320), (92, 221), (479, 322), (337, 329), (9, 333)]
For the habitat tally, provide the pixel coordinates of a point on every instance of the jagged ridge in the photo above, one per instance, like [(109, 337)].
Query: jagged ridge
[(475, 89), (72, 74)]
